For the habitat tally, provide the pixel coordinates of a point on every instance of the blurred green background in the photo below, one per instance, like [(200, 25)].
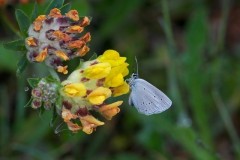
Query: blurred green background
[(188, 49)]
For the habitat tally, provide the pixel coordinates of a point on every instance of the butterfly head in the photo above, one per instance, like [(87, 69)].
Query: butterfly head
[(132, 78)]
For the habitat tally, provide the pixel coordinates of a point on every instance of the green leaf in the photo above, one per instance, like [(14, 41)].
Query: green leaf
[(34, 12), (22, 64), (54, 4), (64, 9), (16, 45), (33, 82), (28, 103), (54, 115), (23, 21)]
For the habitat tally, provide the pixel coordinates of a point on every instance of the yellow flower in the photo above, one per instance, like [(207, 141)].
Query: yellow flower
[(99, 95), (112, 57), (89, 123), (75, 90), (120, 90), (97, 71), (115, 78), (110, 110), (42, 55)]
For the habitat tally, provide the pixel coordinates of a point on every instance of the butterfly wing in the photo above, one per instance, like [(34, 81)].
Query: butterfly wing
[(147, 98)]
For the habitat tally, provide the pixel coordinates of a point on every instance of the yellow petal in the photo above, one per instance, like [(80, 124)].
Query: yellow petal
[(114, 81), (112, 57), (97, 71), (99, 95), (75, 90), (110, 110), (120, 90)]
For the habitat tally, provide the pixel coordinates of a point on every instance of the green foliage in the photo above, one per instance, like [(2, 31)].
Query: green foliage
[(22, 64), (200, 83), (34, 14), (23, 21), (33, 82), (54, 4), (65, 8), (16, 45)]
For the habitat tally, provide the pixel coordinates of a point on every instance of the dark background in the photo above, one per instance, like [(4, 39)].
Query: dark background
[(188, 49)]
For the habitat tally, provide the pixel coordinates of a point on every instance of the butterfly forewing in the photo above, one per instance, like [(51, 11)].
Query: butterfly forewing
[(148, 99)]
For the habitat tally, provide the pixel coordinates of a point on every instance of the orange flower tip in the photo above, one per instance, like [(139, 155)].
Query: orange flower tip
[(67, 115), (55, 13), (89, 123), (62, 55), (110, 110), (61, 36), (87, 37), (42, 55), (85, 21), (82, 51), (73, 14), (76, 44), (75, 29), (31, 41), (37, 24), (62, 69), (73, 127)]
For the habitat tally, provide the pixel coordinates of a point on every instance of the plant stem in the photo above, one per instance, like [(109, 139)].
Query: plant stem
[(54, 74), (224, 114), (174, 88)]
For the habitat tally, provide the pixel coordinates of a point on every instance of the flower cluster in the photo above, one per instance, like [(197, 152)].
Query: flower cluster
[(44, 94), (55, 38), (88, 88)]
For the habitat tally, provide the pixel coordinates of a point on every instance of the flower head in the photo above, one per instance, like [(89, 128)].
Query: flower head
[(45, 93), (88, 88), (55, 38)]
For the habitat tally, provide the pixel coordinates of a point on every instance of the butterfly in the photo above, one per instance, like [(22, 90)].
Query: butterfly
[(146, 98)]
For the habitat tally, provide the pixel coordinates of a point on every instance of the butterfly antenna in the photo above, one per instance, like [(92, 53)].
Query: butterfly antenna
[(136, 63)]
